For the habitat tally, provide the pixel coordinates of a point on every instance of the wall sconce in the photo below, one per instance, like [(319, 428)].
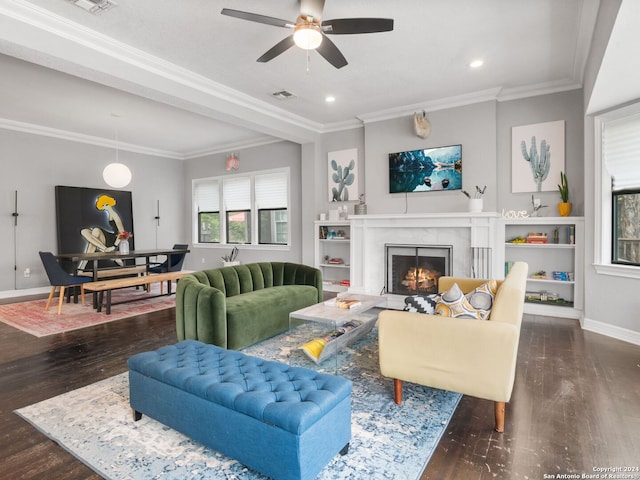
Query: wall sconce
[(233, 162)]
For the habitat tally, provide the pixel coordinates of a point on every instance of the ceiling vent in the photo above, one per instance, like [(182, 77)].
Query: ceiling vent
[(95, 6), (283, 95)]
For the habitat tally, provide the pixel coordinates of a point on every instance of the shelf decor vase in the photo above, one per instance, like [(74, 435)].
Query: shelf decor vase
[(564, 209), (475, 205), (123, 247), (231, 263)]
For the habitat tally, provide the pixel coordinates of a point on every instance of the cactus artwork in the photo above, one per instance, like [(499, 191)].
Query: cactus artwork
[(537, 156), (342, 175), (540, 163)]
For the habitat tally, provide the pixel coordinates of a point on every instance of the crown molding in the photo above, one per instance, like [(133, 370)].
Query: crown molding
[(226, 148), (88, 139), (33, 16), (431, 105), (538, 89)]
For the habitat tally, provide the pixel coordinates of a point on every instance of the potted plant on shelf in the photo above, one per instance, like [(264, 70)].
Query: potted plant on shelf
[(564, 207), (230, 259)]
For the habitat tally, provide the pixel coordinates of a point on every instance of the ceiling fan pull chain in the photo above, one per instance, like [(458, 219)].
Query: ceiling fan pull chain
[(308, 59)]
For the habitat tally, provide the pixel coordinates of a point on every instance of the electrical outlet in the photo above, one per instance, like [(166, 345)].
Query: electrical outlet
[(203, 260), (27, 272)]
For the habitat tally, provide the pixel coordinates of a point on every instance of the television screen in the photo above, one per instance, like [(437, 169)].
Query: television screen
[(426, 170)]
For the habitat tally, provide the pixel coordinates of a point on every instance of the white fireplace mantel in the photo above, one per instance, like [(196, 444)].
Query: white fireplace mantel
[(370, 234)]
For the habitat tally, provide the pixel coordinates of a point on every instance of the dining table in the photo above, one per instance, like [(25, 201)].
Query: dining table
[(94, 258)]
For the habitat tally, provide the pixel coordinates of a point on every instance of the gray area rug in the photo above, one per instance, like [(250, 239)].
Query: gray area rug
[(389, 441)]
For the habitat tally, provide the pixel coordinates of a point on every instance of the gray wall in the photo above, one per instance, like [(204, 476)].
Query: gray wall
[(612, 301), (266, 157), (34, 164), (544, 108), (473, 126)]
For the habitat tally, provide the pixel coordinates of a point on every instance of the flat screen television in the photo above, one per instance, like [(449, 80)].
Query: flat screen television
[(426, 170)]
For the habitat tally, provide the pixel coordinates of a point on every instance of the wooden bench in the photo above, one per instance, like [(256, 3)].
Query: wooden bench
[(116, 272), (108, 285)]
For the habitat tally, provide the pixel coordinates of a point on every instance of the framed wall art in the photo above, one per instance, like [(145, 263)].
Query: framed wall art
[(537, 156), (343, 175)]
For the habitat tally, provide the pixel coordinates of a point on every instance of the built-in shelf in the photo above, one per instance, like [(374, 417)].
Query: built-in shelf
[(333, 274), (564, 256)]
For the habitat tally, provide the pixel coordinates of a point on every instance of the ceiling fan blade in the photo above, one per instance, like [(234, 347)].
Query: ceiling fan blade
[(346, 26), (277, 49), (313, 8), (331, 53), (254, 17)]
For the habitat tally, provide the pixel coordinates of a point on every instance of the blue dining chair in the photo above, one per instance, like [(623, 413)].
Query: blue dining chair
[(58, 277), (176, 261)]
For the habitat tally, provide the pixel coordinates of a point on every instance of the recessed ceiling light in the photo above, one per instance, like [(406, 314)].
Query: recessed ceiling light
[(330, 99), (476, 63)]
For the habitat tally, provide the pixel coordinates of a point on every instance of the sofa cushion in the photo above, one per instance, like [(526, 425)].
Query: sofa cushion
[(453, 303), (421, 303)]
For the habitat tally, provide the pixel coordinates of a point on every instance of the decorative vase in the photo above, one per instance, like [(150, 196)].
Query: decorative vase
[(360, 209), (475, 205), (564, 209), (124, 246), (230, 264)]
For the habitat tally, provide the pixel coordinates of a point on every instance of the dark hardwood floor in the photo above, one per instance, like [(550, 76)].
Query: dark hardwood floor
[(576, 402)]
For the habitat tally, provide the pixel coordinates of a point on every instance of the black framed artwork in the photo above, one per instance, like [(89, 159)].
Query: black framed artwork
[(89, 219)]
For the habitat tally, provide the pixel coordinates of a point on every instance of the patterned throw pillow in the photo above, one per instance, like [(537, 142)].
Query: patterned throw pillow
[(453, 303), (481, 299), (421, 303)]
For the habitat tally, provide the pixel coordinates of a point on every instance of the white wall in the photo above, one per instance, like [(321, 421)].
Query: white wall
[(34, 164)]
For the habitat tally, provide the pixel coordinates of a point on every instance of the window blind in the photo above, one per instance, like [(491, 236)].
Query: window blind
[(207, 196), (621, 151), (236, 193), (271, 191)]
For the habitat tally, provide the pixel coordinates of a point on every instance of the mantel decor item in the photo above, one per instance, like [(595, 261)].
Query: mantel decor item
[(564, 207), (360, 208), (476, 202)]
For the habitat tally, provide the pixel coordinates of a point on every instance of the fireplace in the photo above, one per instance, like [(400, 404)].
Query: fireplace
[(415, 269)]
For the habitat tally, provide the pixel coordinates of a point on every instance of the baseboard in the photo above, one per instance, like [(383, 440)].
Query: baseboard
[(612, 331), (27, 292)]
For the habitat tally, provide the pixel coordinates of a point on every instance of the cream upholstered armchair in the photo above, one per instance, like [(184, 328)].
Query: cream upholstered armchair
[(469, 356)]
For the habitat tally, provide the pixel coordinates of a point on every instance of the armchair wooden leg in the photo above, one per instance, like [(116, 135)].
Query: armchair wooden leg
[(500, 407), (82, 293), (397, 391)]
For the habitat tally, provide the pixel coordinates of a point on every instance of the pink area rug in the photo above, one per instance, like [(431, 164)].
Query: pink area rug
[(31, 317)]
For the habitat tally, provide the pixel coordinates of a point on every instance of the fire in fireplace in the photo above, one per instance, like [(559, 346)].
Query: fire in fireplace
[(415, 269)]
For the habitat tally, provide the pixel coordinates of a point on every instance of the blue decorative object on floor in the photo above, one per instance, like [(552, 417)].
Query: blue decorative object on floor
[(388, 441)]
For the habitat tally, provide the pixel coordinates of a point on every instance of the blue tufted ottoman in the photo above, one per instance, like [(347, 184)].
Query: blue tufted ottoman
[(283, 421)]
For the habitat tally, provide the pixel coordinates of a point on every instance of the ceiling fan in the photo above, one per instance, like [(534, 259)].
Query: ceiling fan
[(310, 32)]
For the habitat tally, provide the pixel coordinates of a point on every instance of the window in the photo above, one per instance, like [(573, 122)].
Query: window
[(231, 208), (271, 203), (208, 210), (617, 247)]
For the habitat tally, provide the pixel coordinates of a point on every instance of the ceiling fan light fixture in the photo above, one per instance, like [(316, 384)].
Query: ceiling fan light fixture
[(307, 37)]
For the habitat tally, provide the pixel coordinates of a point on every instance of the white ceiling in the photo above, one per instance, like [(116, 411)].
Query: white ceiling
[(184, 81)]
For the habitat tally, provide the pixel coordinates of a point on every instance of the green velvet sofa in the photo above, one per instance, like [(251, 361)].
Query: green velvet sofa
[(234, 307)]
